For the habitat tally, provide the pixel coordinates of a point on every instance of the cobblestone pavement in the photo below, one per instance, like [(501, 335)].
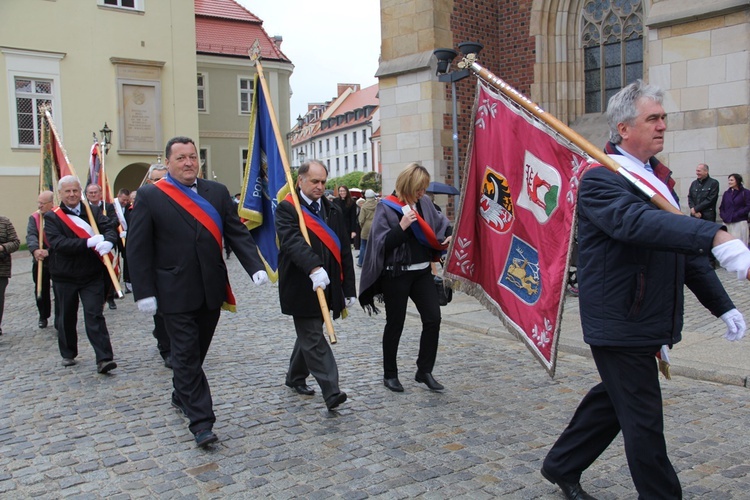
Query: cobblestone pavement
[(71, 433)]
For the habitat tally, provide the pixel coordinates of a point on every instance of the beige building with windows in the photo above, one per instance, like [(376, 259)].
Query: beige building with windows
[(94, 61), (225, 33)]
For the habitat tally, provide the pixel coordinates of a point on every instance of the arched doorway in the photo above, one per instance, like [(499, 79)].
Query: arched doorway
[(130, 177)]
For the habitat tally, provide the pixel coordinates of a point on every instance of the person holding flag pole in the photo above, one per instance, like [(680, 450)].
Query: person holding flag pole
[(637, 251)]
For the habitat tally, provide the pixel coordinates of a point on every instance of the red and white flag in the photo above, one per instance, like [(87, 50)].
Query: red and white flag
[(512, 240)]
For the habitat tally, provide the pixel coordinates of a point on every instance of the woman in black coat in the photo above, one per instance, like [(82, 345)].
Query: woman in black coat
[(346, 203)]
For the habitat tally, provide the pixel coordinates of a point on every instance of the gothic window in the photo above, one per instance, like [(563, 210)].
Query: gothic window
[(612, 40)]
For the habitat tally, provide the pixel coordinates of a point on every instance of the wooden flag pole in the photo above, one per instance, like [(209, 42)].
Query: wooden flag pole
[(571, 135), (293, 190), (92, 221)]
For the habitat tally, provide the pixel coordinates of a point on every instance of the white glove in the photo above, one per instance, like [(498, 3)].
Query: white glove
[(147, 305), (733, 256), (319, 279), (94, 240), (124, 235), (350, 301), (260, 278), (104, 247), (735, 324)]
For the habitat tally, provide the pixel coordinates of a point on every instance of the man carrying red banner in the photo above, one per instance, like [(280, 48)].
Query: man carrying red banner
[(176, 267), (75, 267), (326, 263), (634, 260)]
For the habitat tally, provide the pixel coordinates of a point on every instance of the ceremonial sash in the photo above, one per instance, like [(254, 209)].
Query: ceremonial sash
[(324, 233), (42, 234), (80, 228), (422, 230), (205, 214)]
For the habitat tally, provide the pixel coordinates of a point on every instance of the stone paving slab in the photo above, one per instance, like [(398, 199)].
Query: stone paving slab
[(72, 433)]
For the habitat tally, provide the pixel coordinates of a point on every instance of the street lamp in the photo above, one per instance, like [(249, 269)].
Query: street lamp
[(106, 135), (301, 157), (444, 58)]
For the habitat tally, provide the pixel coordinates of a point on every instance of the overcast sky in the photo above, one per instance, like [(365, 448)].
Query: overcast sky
[(328, 41)]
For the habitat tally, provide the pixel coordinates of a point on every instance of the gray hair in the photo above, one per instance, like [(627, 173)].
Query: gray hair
[(155, 166), (623, 106), (67, 179)]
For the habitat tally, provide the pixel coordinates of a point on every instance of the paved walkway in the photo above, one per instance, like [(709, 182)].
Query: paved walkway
[(71, 433)]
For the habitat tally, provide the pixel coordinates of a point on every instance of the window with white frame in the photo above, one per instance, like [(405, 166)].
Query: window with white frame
[(203, 92), (30, 94), (354, 138), (123, 4), (364, 161), (355, 158), (203, 155), (34, 78), (243, 161), (246, 95)]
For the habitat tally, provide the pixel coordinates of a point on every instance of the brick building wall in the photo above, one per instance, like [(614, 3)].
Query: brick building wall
[(502, 26)]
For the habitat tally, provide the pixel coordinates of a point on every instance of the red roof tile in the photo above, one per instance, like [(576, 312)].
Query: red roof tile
[(226, 9), (224, 27)]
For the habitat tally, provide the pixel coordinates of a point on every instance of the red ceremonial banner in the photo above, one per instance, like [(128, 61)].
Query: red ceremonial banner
[(512, 241)]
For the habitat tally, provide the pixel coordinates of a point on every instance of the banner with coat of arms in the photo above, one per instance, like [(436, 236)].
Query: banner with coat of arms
[(513, 236)]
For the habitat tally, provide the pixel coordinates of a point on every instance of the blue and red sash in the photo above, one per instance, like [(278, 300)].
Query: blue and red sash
[(205, 214), (79, 230), (422, 230), (322, 232)]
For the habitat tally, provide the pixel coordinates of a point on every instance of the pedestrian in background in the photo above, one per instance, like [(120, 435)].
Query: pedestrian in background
[(407, 234), (703, 194), (735, 208), (326, 262), (39, 248), (366, 215), (346, 203), (9, 243), (177, 268), (635, 261), (77, 272)]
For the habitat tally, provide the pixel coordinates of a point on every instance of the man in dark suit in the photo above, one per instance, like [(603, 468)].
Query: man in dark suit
[(176, 265), (76, 272), (635, 261), (324, 263), (39, 249)]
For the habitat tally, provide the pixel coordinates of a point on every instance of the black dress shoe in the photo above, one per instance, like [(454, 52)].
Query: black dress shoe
[(572, 491), (168, 362), (304, 390), (42, 323), (335, 400), (204, 438), (111, 303), (429, 381), (105, 366), (393, 384)]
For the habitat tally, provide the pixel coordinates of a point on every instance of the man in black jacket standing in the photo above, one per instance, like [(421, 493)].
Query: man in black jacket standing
[(177, 267), (703, 194), (39, 248), (76, 269), (634, 260), (327, 263)]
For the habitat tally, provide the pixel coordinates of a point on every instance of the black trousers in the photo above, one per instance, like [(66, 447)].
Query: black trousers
[(43, 303), (627, 399), (312, 355), (161, 336), (3, 286), (91, 295), (190, 335), (419, 286)]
